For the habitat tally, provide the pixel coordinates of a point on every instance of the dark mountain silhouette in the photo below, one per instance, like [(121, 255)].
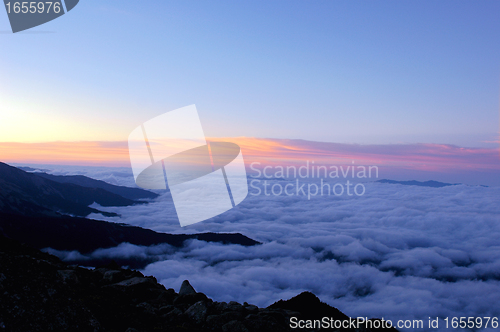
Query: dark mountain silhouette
[(127, 192), (432, 184), (310, 306), (38, 292), (29, 194), (86, 235), (31, 210)]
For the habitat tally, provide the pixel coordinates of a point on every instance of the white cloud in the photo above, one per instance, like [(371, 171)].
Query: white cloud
[(398, 252)]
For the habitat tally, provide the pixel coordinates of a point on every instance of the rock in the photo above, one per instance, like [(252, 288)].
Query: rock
[(173, 317), (197, 312), (174, 312), (252, 308), (234, 315), (147, 308), (234, 326), (275, 313), (165, 309), (291, 313), (235, 306), (165, 298), (135, 281), (219, 306), (111, 275), (215, 322), (186, 288), (190, 298), (40, 293), (309, 305), (263, 323), (35, 296), (68, 276), (131, 329)]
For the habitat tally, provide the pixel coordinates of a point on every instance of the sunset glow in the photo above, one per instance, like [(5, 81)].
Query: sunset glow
[(429, 157)]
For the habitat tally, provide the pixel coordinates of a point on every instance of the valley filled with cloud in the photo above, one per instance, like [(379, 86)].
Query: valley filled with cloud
[(398, 251)]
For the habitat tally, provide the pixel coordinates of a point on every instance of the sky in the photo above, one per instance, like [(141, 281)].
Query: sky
[(413, 87), (362, 72)]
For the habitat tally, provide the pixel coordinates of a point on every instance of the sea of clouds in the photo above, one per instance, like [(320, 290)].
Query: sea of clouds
[(397, 252)]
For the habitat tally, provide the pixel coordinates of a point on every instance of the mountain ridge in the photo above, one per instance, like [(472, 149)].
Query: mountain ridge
[(34, 210), (430, 183), (65, 233), (28, 194), (84, 181)]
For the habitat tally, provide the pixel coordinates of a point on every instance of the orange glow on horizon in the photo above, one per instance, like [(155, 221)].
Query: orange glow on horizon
[(435, 157), (66, 153)]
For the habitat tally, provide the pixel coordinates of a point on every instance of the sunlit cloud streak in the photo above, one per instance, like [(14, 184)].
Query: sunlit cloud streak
[(423, 162), (432, 157)]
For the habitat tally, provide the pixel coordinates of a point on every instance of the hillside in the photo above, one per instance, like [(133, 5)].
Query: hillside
[(40, 293), (29, 194)]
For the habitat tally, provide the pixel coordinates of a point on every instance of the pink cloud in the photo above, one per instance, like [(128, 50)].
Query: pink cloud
[(431, 161), (411, 156)]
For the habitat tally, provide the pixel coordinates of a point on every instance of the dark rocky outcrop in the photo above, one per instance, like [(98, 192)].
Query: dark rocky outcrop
[(186, 288), (309, 306), (40, 293)]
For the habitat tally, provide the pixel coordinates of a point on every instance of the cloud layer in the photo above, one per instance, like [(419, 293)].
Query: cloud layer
[(398, 252)]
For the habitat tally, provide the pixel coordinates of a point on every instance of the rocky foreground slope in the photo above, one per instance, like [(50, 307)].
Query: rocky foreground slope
[(38, 292)]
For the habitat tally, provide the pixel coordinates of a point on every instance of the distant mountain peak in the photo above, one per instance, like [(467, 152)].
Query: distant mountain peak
[(431, 183), (84, 181)]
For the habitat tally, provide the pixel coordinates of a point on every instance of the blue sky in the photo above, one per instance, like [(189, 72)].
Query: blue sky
[(337, 71)]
